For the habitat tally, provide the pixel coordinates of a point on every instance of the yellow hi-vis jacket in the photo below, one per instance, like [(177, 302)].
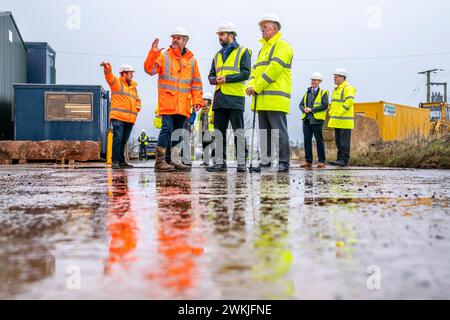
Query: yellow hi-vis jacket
[(322, 115), (231, 66), (143, 139), (198, 126), (342, 113), (271, 76), (157, 122)]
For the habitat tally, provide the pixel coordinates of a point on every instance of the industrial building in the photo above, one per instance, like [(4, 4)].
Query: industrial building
[(33, 107), (13, 69)]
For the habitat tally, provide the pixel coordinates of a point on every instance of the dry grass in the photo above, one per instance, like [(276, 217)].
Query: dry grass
[(417, 152)]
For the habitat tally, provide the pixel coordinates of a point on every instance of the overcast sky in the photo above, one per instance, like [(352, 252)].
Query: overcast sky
[(383, 44)]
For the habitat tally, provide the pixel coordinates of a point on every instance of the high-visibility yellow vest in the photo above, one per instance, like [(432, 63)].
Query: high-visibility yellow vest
[(210, 121), (231, 66), (157, 122), (317, 103), (271, 76), (143, 139), (342, 113)]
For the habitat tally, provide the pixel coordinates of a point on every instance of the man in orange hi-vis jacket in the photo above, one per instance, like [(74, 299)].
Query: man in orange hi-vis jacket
[(179, 89), (125, 106)]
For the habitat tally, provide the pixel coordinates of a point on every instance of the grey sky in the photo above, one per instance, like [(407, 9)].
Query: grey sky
[(325, 34)]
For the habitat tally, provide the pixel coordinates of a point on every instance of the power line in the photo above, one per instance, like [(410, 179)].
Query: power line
[(298, 59), (379, 57), (416, 90)]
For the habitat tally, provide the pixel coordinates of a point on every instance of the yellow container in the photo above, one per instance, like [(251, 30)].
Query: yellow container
[(397, 122)]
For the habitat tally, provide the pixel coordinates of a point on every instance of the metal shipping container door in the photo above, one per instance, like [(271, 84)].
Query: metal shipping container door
[(13, 69)]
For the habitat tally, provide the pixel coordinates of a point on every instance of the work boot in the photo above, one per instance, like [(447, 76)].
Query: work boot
[(217, 168), (242, 168), (115, 165), (321, 165), (260, 167), (306, 165), (177, 163), (341, 163), (333, 163), (125, 165), (161, 165), (283, 167)]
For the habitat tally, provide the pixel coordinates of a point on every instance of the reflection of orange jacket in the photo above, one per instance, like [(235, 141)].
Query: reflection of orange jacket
[(179, 83), (177, 245), (125, 101), (122, 225)]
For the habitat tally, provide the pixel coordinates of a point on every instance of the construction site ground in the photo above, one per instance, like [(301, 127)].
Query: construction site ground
[(86, 231)]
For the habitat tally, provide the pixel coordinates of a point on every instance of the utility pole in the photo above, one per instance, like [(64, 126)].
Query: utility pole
[(428, 73)]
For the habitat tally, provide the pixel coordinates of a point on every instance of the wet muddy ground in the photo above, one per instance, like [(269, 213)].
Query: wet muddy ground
[(70, 233)]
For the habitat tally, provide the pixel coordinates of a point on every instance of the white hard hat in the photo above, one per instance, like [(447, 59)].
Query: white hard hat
[(126, 68), (341, 72), (269, 17), (208, 96), (316, 76), (227, 27), (180, 31), (143, 130)]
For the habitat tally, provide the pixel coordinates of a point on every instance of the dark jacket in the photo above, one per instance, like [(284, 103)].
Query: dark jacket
[(310, 104), (223, 101)]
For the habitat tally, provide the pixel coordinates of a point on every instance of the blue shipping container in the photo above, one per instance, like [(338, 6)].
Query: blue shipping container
[(61, 112)]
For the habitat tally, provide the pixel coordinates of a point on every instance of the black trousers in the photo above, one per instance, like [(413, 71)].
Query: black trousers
[(343, 139), (143, 151), (310, 130), (212, 154), (121, 134), (222, 117)]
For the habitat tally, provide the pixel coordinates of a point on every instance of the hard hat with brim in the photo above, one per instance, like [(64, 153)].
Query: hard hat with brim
[(269, 18), (180, 31), (208, 96), (227, 27), (316, 76), (341, 72), (126, 68)]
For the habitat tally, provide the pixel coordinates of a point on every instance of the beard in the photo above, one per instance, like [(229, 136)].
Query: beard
[(224, 43)]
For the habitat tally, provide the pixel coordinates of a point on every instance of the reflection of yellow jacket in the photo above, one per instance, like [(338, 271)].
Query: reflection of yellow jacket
[(157, 122), (198, 126)]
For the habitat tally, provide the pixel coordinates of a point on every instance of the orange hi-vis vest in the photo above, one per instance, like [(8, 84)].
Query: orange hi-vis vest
[(125, 101), (179, 82)]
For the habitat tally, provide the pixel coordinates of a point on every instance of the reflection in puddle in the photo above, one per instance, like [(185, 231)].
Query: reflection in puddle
[(310, 234)]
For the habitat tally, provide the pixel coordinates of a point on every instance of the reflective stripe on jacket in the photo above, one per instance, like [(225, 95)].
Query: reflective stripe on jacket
[(210, 116), (230, 67), (143, 139), (179, 81), (271, 76), (342, 114), (321, 115), (125, 101)]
